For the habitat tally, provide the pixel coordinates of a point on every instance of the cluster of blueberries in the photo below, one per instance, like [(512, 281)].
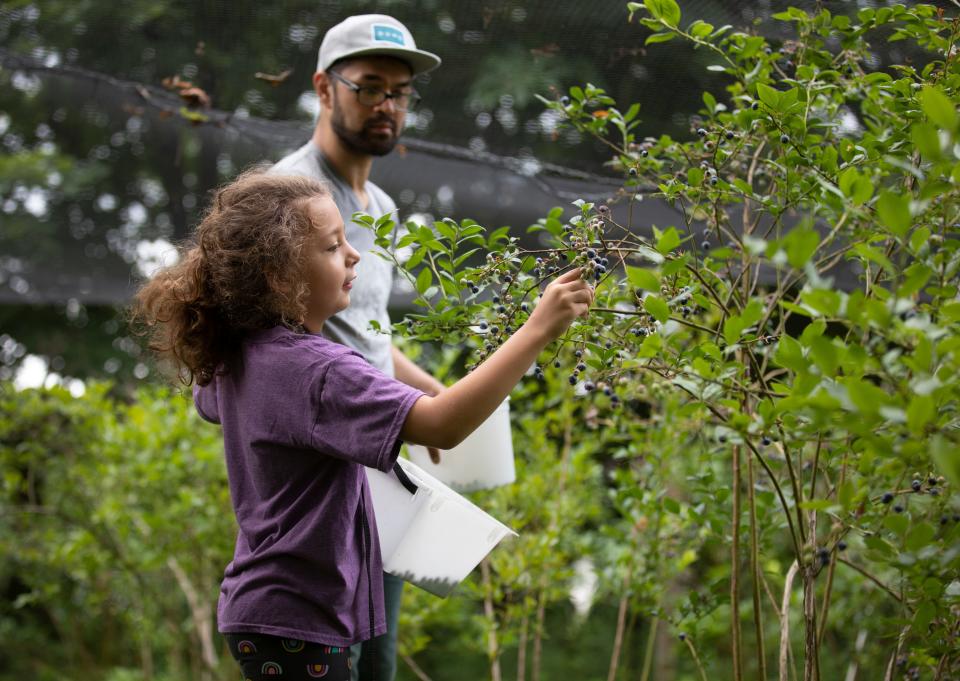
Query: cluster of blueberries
[(917, 486)]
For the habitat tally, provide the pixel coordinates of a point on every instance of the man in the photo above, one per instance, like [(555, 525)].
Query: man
[(364, 80)]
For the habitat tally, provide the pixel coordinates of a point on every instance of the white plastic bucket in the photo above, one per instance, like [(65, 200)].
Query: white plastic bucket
[(432, 538), (482, 461)]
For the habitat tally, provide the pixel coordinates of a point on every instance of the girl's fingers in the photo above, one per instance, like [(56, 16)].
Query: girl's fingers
[(582, 296), (572, 275)]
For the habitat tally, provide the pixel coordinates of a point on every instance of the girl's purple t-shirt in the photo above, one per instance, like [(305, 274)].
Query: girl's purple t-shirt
[(301, 417)]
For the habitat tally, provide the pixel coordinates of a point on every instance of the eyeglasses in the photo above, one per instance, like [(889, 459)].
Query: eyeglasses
[(405, 100)]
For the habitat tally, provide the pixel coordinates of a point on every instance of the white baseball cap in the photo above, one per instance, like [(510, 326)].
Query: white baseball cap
[(373, 34)]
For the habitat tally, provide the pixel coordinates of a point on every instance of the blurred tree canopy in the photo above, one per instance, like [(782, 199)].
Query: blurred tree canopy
[(102, 168)]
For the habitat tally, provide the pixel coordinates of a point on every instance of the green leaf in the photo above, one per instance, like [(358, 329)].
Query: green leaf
[(915, 277), (655, 306), (897, 524), (866, 397), (922, 410), (824, 354), (817, 505), (732, 328), (655, 38), (666, 11), (800, 244), (824, 301), (710, 102), (789, 355), (920, 535), (669, 240), (947, 458), (938, 107), (924, 615), (700, 29), (846, 494), (855, 186), (926, 139), (415, 259), (769, 96), (641, 277), (424, 279), (847, 179), (894, 212), (872, 254), (671, 267), (445, 229)]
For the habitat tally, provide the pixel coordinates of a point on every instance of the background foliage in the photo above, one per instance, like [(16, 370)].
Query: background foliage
[(745, 459)]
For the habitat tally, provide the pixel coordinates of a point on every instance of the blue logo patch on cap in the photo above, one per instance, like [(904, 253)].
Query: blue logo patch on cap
[(387, 34)]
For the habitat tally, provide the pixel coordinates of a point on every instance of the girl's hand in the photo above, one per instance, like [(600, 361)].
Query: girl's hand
[(565, 298)]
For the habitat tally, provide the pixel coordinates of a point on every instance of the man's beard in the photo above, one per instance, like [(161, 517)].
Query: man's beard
[(364, 142)]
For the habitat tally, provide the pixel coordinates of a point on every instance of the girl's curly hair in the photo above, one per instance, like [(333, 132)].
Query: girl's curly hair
[(242, 271)]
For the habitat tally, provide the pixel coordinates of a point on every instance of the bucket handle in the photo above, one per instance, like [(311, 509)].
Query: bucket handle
[(404, 478)]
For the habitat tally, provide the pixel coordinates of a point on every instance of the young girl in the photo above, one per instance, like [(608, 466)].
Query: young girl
[(240, 316)]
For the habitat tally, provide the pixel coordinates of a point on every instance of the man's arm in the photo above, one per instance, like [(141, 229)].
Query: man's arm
[(405, 371)]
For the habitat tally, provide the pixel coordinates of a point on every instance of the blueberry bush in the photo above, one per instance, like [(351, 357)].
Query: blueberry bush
[(772, 381)]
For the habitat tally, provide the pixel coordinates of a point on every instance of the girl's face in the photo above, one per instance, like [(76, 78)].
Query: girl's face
[(329, 266)]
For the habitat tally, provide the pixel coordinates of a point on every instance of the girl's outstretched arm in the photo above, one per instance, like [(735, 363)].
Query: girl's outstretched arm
[(445, 420)]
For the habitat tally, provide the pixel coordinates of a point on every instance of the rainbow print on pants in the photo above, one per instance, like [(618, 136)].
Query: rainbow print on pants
[(317, 671), (271, 669), (292, 645)]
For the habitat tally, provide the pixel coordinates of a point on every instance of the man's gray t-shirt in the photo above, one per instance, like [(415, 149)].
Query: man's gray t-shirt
[(371, 290)]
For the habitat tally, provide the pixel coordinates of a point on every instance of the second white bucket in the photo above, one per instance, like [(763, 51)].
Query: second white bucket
[(431, 537), (484, 460)]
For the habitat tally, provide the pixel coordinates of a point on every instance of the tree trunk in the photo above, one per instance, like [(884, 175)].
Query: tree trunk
[(493, 645), (201, 614), (735, 569), (785, 620), (522, 647)]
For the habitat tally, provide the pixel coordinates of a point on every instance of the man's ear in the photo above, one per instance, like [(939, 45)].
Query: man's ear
[(323, 86)]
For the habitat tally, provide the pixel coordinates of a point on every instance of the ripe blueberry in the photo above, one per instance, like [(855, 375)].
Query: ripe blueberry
[(886, 498)]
